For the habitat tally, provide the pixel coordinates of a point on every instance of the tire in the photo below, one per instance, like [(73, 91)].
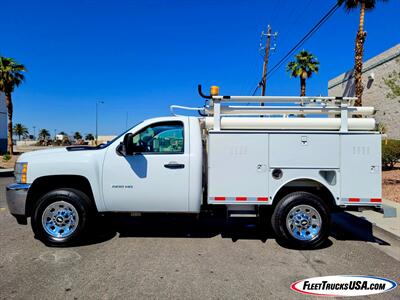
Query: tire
[(301, 220), (61, 217)]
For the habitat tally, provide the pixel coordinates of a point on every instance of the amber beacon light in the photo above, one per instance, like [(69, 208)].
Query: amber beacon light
[(214, 90)]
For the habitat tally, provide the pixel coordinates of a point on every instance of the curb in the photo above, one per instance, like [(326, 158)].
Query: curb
[(392, 234), (376, 225), (384, 231), (388, 239), (379, 221)]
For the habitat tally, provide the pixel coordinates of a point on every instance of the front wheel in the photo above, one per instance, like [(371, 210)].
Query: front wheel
[(61, 217), (301, 220)]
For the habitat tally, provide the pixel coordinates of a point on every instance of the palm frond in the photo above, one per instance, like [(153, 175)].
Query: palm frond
[(304, 62), (350, 5), (11, 74)]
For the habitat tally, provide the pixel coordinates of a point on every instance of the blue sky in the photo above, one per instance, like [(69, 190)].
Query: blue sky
[(141, 56)]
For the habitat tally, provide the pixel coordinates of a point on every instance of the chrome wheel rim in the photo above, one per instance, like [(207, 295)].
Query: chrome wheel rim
[(304, 222), (60, 219)]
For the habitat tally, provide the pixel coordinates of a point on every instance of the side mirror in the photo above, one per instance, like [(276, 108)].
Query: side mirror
[(120, 149), (128, 144)]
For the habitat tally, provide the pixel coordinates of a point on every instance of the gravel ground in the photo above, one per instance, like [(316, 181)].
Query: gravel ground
[(8, 164), (391, 184)]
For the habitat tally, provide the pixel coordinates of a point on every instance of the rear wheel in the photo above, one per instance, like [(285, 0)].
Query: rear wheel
[(61, 217), (301, 220)]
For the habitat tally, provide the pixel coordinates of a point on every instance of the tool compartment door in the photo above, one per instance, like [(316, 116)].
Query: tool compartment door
[(361, 169), (237, 168), (304, 150)]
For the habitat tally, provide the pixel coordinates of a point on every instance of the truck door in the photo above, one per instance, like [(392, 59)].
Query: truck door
[(156, 177)]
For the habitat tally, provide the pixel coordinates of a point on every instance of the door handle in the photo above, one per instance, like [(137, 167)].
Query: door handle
[(174, 165)]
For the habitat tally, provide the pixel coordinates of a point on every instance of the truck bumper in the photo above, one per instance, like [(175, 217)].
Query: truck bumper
[(16, 194)]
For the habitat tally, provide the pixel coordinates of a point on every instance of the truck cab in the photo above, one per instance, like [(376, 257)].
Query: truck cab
[(160, 169)]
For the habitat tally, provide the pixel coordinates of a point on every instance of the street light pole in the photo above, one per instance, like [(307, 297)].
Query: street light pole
[(34, 132), (97, 118)]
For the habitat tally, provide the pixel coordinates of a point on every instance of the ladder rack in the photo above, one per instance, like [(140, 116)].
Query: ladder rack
[(217, 107), (281, 99)]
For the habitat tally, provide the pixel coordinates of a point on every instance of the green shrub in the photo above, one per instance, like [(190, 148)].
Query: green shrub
[(6, 157), (390, 153)]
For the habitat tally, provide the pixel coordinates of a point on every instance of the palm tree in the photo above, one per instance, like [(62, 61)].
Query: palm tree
[(89, 137), (364, 5), (62, 133), (77, 135), (11, 76), (44, 134), (20, 130), (304, 65)]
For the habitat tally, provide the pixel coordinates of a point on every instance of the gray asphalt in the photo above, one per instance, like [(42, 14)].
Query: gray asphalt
[(181, 258)]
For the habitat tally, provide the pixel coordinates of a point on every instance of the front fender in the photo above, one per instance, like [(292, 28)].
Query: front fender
[(87, 164)]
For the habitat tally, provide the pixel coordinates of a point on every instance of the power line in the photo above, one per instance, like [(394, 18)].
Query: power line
[(304, 39), (314, 29), (256, 89)]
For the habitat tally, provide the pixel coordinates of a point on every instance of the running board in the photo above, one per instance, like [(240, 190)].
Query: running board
[(241, 214)]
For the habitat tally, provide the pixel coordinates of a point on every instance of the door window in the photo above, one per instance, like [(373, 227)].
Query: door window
[(160, 138)]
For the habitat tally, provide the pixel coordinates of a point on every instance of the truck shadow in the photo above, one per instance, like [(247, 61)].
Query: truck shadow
[(344, 227)]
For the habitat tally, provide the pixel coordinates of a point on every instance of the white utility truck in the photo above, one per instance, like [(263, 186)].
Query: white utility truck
[(279, 157)]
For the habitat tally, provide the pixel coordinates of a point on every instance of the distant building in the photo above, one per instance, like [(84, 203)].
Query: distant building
[(61, 137), (3, 124), (375, 70)]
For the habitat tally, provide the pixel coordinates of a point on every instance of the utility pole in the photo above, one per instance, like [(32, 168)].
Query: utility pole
[(263, 82)]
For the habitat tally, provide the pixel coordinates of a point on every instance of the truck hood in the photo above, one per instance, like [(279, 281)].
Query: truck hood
[(40, 153)]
